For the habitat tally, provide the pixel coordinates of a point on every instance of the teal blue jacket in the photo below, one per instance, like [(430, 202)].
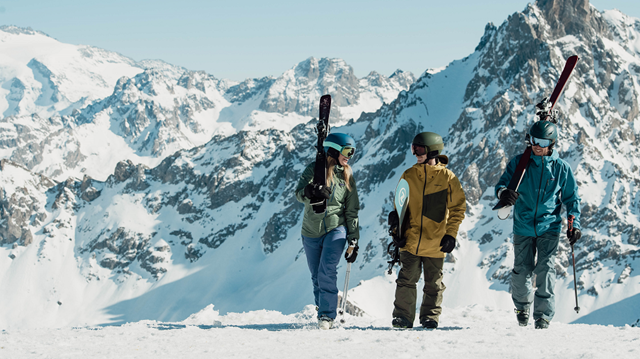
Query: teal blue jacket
[(548, 183)]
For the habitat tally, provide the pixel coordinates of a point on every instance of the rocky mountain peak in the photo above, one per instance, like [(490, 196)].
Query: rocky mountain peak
[(489, 30), (571, 17)]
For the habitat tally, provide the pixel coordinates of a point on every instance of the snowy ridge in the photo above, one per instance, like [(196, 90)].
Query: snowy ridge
[(217, 223), (92, 108), (45, 77)]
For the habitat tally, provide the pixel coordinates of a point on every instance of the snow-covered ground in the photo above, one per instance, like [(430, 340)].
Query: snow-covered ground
[(469, 332)]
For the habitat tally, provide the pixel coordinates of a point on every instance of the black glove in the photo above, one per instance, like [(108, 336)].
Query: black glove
[(394, 222), (573, 234), (313, 190), (394, 229), (351, 257), (447, 243), (393, 219), (510, 196)]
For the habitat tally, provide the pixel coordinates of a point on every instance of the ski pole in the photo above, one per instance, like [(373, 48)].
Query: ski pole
[(573, 257), (343, 303), (575, 287)]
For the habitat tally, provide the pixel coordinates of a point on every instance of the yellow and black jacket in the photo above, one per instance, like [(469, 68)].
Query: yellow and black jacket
[(436, 207)]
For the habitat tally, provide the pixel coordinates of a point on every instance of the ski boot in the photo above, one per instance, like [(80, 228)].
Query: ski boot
[(401, 323), (429, 323), (542, 323), (523, 317), (325, 323)]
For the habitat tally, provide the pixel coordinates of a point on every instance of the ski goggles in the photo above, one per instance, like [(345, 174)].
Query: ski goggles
[(542, 142), (418, 150), (348, 152)]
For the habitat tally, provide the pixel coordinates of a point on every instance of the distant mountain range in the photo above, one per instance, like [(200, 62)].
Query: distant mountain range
[(156, 191), (63, 106)]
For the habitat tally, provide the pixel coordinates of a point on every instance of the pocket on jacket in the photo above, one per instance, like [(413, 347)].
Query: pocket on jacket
[(435, 206)]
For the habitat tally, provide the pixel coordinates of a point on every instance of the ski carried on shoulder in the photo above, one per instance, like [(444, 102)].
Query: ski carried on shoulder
[(545, 113), (320, 170), (401, 201)]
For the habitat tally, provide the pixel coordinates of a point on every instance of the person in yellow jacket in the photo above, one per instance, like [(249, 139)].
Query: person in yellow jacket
[(436, 208)]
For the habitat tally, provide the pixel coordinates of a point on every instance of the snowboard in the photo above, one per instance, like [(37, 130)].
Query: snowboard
[(401, 202)]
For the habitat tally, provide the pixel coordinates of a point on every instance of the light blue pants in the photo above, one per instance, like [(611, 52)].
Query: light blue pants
[(323, 256), (525, 266)]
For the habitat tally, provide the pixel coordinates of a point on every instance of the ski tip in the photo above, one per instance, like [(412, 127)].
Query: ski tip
[(325, 100), (498, 206)]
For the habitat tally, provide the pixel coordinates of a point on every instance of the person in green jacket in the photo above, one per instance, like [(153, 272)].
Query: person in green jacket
[(546, 185), (325, 235), (436, 208)]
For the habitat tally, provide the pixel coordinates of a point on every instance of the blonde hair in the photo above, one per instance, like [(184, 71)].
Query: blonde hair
[(331, 163)]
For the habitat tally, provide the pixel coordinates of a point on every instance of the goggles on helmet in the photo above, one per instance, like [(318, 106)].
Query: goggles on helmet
[(542, 142), (418, 150)]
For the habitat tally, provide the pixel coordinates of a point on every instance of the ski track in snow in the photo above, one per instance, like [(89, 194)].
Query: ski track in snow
[(470, 332)]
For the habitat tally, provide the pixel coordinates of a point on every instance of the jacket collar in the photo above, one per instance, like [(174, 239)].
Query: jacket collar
[(538, 159), (438, 166)]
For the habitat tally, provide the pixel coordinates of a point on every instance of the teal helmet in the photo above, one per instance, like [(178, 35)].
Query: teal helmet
[(337, 143), (545, 130)]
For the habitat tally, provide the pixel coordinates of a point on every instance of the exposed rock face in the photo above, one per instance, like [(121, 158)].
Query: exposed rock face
[(21, 203), (299, 89), (573, 17), (309, 78)]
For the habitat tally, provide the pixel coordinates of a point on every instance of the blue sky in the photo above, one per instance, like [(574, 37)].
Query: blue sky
[(238, 39)]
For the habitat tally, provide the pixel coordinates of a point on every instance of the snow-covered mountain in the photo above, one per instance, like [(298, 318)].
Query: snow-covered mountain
[(218, 223), (42, 76), (72, 110)]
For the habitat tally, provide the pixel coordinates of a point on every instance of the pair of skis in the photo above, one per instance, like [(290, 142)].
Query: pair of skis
[(320, 170), (545, 114), (320, 179)]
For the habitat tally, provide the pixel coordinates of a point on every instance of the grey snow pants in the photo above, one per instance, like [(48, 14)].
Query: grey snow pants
[(525, 266)]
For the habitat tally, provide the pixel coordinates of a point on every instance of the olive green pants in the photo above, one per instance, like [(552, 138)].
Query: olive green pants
[(406, 293)]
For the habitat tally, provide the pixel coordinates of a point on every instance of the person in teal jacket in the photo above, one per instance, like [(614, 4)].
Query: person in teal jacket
[(547, 184), (324, 235)]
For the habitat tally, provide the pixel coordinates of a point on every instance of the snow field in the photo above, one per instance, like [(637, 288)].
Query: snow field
[(469, 332)]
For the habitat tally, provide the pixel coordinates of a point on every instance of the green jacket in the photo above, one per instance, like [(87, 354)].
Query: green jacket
[(342, 207)]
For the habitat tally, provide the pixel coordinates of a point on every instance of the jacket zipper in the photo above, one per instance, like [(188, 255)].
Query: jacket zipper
[(535, 214), (422, 213)]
